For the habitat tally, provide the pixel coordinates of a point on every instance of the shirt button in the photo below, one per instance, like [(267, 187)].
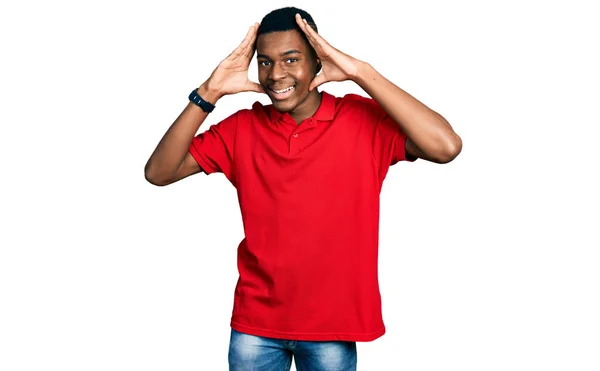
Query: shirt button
[(296, 135)]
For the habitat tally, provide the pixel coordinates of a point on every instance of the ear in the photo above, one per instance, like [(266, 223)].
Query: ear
[(319, 66)]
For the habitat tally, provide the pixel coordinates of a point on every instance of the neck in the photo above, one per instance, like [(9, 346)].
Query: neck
[(307, 108)]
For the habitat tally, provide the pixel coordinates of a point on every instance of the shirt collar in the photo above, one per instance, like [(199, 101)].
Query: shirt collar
[(325, 112)]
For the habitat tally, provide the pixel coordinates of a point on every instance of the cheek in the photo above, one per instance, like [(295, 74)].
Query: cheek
[(262, 76), (303, 75)]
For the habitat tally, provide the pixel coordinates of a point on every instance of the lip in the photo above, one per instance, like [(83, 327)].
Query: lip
[(281, 96)]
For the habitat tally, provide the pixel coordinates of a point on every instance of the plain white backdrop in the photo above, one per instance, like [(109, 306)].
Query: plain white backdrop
[(488, 263)]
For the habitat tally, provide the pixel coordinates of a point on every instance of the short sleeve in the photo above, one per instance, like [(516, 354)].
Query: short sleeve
[(213, 149), (389, 144)]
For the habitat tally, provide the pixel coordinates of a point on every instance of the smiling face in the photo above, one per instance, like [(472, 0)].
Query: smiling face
[(286, 66)]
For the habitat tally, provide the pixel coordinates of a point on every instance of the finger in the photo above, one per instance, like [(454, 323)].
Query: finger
[(249, 52), (245, 43), (316, 82), (313, 37), (252, 86), (303, 26)]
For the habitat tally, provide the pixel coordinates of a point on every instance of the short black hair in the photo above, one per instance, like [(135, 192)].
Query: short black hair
[(284, 19)]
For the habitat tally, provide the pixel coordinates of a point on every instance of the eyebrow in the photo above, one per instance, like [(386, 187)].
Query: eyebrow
[(293, 51)]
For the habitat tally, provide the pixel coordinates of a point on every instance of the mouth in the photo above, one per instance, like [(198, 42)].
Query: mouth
[(280, 94)]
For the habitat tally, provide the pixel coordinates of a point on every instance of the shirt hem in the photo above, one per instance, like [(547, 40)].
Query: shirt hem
[(335, 336), (204, 166)]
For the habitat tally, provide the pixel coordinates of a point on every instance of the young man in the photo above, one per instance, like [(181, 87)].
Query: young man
[(308, 170)]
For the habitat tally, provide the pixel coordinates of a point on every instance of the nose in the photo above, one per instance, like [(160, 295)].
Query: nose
[(277, 72)]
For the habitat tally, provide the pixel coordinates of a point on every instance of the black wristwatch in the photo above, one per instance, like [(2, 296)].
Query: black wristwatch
[(206, 106)]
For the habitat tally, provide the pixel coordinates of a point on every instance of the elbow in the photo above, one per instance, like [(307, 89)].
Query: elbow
[(153, 178), (449, 150), (157, 182)]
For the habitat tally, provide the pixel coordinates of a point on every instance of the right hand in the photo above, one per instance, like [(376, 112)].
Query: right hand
[(231, 76)]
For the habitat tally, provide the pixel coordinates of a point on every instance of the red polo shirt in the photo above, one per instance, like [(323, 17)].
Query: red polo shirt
[(309, 198)]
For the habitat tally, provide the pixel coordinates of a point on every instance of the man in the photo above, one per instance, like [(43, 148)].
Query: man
[(308, 170)]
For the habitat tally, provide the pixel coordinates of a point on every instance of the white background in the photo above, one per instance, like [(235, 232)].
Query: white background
[(489, 262)]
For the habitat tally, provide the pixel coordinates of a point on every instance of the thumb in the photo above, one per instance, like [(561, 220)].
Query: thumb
[(257, 88), (317, 81)]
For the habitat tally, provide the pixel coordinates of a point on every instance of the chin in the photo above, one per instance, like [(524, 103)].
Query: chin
[(284, 106)]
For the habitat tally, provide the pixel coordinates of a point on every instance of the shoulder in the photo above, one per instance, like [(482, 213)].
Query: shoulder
[(259, 111), (356, 101), (357, 105), (354, 98), (236, 117), (239, 119)]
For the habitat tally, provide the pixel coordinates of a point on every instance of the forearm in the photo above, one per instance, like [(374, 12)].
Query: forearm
[(173, 147), (428, 130)]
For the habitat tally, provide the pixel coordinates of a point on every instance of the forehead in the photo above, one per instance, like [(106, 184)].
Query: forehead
[(275, 43)]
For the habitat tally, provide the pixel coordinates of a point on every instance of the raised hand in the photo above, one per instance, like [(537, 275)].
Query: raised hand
[(231, 76), (336, 66)]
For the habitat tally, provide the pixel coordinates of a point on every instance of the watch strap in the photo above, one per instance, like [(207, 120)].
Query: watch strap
[(197, 99)]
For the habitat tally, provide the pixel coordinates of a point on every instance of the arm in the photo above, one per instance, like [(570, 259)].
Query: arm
[(429, 135), (171, 160)]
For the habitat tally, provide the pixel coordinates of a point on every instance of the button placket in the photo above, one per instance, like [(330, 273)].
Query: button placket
[(308, 125), (292, 145)]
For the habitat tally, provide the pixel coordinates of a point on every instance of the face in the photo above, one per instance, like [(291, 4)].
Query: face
[(286, 67)]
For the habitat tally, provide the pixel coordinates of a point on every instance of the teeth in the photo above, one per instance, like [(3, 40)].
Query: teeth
[(284, 90)]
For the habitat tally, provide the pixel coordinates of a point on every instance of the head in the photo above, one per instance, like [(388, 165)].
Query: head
[(287, 63)]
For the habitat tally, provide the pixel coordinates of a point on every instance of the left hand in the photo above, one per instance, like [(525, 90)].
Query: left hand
[(336, 66)]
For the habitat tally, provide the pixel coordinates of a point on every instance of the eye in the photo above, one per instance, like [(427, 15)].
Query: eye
[(291, 60), (264, 63)]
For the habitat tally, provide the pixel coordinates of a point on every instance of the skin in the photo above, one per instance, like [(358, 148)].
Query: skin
[(429, 135), (171, 160), (284, 60)]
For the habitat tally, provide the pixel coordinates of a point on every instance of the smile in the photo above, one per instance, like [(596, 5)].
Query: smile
[(282, 94), (282, 91)]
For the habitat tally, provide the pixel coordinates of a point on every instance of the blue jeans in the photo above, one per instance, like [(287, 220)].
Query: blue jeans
[(257, 353)]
